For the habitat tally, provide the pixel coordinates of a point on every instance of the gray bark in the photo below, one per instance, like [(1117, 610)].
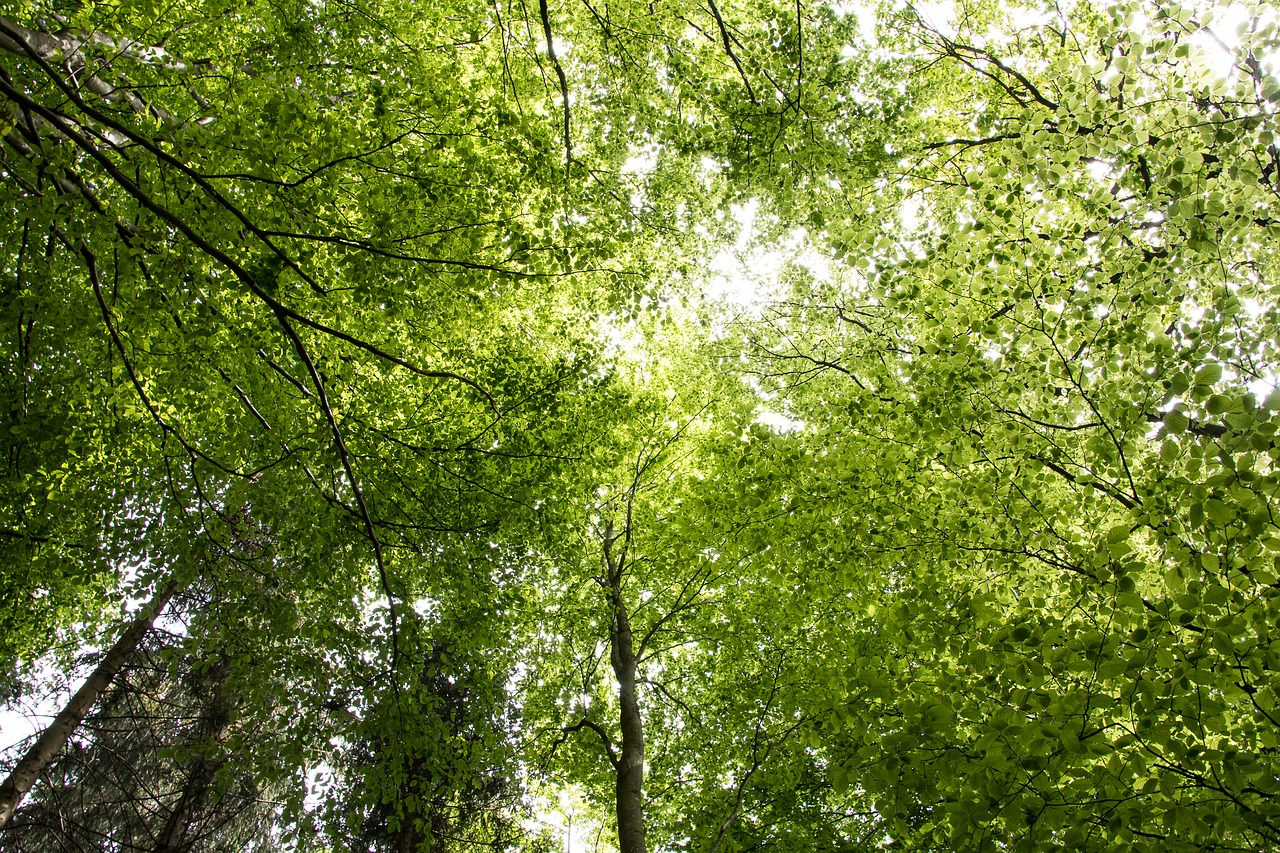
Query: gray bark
[(66, 49), (55, 737)]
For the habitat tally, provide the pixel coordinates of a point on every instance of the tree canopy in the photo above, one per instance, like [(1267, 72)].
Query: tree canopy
[(673, 425)]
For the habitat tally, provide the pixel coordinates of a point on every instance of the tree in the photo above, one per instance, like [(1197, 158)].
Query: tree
[(59, 732), (442, 755), (964, 540), (671, 685), (148, 770), (1074, 517)]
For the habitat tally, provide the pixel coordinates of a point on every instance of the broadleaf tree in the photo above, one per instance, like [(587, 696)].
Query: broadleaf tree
[(390, 335)]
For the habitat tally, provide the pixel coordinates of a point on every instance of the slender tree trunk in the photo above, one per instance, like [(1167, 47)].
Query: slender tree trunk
[(630, 781), (630, 766), (55, 737), (407, 838)]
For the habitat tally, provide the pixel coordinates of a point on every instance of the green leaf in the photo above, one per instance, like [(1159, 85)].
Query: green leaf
[(1218, 404), (1209, 374)]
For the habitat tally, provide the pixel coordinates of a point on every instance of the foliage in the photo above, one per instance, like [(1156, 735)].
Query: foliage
[(1075, 518), (385, 333)]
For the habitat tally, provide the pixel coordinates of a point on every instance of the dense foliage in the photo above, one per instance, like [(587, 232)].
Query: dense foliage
[(640, 425)]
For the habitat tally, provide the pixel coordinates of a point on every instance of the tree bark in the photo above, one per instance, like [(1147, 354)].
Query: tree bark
[(55, 737), (215, 720), (630, 783), (630, 767), (66, 48)]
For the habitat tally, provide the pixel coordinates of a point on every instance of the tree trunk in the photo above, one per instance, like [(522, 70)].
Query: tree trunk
[(215, 720), (630, 765), (55, 737), (630, 781)]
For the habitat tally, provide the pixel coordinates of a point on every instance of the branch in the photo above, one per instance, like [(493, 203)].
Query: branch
[(1194, 427), (584, 723), (244, 398), (564, 83), (1047, 425), (673, 699), (23, 535), (68, 45), (155, 150), (278, 308), (55, 736), (344, 455), (1125, 501), (970, 143), (306, 392), (799, 57), (682, 605), (728, 48), (757, 760), (92, 262), (383, 354), (283, 314)]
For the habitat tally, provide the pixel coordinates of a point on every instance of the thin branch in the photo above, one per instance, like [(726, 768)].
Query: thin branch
[(306, 392), (970, 143), (1125, 501), (344, 455), (244, 398), (584, 723), (277, 307), (1047, 425), (673, 699), (168, 429), (757, 760), (799, 57), (159, 153)]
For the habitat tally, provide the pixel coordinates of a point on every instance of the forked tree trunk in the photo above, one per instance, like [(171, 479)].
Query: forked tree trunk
[(55, 737)]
